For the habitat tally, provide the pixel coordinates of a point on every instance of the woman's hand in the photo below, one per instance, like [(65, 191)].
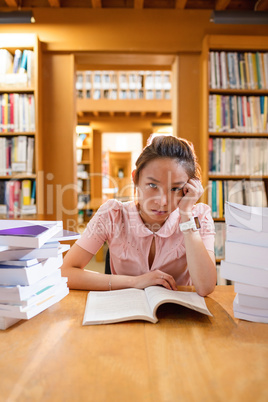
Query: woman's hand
[(192, 191), (155, 278)]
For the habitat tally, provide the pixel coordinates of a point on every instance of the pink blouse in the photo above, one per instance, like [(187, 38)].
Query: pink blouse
[(129, 240)]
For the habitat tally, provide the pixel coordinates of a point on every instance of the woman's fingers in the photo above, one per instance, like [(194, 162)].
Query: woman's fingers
[(166, 280), (154, 278)]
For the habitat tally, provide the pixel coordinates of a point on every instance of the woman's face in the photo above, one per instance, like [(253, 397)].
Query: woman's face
[(160, 189)]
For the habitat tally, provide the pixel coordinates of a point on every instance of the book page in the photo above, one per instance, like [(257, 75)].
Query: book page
[(115, 306), (158, 295)]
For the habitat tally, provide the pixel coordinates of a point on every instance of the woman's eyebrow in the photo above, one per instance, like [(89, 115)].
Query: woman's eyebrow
[(152, 179), (174, 183), (180, 183)]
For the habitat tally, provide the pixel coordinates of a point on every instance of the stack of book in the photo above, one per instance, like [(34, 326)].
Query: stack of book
[(30, 259), (246, 260)]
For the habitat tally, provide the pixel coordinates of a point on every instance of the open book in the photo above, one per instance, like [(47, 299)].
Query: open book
[(135, 304)]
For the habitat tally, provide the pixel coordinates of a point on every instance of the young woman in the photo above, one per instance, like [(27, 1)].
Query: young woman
[(163, 238)]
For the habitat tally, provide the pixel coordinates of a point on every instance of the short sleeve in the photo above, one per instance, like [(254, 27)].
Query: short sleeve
[(99, 228)]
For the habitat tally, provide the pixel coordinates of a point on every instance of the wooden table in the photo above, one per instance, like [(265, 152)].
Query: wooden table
[(186, 356)]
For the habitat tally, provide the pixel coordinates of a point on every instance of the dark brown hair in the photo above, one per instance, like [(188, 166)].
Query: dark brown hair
[(162, 146)]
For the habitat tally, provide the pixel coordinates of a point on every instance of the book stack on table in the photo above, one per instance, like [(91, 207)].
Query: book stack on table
[(246, 260), (30, 259)]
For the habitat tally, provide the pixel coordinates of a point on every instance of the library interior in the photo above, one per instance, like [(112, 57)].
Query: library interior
[(83, 86)]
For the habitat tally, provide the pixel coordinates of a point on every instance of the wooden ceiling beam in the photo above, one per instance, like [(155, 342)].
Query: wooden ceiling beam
[(180, 4), (12, 3), (54, 3), (96, 4), (138, 4), (221, 4)]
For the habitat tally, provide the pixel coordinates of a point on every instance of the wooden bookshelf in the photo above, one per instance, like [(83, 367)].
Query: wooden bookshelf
[(123, 91), (242, 48), (17, 94), (84, 159)]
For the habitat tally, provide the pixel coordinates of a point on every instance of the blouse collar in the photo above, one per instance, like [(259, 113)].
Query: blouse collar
[(166, 230)]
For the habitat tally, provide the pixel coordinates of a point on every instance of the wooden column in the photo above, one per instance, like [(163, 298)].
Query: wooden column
[(59, 119)]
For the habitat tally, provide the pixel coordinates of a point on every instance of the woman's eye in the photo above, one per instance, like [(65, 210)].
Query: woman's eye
[(177, 189), (152, 185)]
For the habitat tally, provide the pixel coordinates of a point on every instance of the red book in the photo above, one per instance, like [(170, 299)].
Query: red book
[(16, 198), (12, 126), (11, 190)]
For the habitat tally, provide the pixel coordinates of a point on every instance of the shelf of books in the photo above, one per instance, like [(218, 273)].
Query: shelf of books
[(20, 156), (121, 91), (84, 170), (234, 124)]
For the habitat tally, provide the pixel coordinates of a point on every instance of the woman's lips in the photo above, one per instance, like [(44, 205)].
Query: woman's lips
[(156, 212)]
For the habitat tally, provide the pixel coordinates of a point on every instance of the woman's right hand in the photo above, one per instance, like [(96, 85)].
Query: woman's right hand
[(154, 278)]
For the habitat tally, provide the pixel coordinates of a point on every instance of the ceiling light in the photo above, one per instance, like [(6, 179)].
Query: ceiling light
[(17, 17), (239, 17)]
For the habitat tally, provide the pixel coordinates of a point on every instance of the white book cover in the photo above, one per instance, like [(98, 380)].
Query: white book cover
[(251, 73), (236, 69), (217, 67), (244, 274), (35, 298), (30, 155), (28, 253), (20, 263), (19, 293), (28, 234), (29, 275), (247, 236), (250, 317), (6, 322), (251, 290), (248, 217), (253, 301), (223, 70), (27, 313), (249, 313), (212, 70), (246, 254), (64, 235)]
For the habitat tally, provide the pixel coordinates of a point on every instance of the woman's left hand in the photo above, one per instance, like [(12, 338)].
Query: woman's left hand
[(192, 191)]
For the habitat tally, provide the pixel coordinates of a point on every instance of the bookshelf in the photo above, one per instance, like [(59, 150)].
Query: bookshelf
[(234, 124), (84, 150), (123, 91), (20, 135), (116, 97)]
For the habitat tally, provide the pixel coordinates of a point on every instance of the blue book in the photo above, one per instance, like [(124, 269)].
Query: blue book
[(23, 64), (27, 234), (33, 193), (33, 230)]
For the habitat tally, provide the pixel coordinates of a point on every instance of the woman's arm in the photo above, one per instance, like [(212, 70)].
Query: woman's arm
[(78, 278), (200, 261)]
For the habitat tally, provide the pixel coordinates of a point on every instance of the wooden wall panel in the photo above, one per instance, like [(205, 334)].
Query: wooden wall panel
[(59, 120), (189, 100), (146, 31)]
